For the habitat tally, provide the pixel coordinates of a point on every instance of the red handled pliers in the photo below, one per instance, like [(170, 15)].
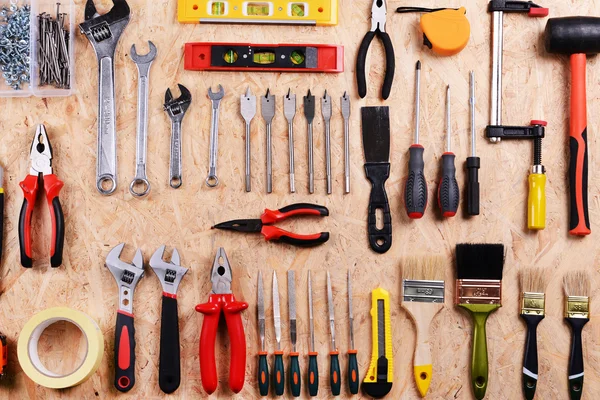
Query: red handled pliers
[(221, 299), (269, 217), (41, 170)]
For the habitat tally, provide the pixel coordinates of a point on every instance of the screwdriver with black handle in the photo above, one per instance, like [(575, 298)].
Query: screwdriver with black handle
[(415, 193), (473, 162), (448, 193)]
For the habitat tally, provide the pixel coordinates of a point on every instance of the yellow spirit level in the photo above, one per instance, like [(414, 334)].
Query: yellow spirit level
[(276, 12)]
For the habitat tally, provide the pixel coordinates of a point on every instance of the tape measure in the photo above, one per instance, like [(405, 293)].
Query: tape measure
[(278, 12), (27, 348), (446, 31)]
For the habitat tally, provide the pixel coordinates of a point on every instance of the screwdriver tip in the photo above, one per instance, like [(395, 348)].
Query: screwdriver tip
[(419, 64)]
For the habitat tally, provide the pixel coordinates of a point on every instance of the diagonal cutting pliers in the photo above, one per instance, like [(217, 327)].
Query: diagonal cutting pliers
[(378, 19), (269, 217), (222, 300), (41, 171)]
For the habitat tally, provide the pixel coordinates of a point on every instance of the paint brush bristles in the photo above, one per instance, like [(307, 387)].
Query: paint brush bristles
[(533, 280), (577, 283), (426, 268)]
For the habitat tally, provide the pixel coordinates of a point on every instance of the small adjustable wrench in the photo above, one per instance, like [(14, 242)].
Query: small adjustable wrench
[(127, 276), (143, 64), (212, 180), (169, 274), (103, 32), (176, 109)]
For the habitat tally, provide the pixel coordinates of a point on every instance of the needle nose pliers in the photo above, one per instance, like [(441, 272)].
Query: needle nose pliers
[(269, 217), (378, 18), (222, 300), (41, 170)]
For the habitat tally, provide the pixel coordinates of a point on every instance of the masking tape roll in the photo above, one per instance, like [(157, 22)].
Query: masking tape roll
[(27, 348)]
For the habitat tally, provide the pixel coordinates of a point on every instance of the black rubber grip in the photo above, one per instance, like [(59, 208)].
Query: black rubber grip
[(124, 353), (530, 360), (390, 65), (169, 369), (352, 372), (279, 375), (361, 64), (323, 211), (322, 238), (26, 261), (573, 172), (576, 358), (335, 379), (59, 225), (263, 374), (415, 194), (473, 165), (448, 192), (313, 375), (294, 375), (379, 239)]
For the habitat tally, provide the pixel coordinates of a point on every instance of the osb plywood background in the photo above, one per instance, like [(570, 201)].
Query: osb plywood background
[(535, 87)]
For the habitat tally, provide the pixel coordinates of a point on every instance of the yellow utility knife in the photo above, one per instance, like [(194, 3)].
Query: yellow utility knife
[(380, 376)]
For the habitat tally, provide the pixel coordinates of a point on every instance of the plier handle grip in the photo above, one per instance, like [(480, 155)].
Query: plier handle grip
[(223, 301), (41, 170), (272, 233)]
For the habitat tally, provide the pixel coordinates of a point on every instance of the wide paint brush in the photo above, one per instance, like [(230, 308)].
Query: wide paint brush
[(577, 314), (533, 284), (479, 291), (423, 298)]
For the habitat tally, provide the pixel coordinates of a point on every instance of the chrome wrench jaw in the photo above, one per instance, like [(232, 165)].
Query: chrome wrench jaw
[(126, 275), (104, 32), (170, 273), (176, 109), (212, 180), (143, 64)]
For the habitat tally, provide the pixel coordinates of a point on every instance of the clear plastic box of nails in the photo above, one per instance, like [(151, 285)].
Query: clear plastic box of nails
[(37, 48)]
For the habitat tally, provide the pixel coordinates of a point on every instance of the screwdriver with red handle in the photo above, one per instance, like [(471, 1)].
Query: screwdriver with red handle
[(415, 192), (448, 193)]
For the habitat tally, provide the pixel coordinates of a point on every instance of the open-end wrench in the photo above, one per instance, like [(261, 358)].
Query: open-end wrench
[(103, 32), (212, 180), (143, 64), (289, 109), (267, 110), (176, 109), (127, 276), (248, 111), (169, 274), (326, 111)]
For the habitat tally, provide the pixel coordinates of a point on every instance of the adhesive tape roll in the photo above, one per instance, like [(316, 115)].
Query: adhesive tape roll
[(27, 347)]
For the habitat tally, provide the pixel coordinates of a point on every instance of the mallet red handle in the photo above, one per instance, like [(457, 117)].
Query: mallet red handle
[(578, 168)]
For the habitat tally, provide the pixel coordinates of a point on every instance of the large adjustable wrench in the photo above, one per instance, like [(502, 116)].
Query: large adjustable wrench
[(103, 32), (143, 64), (212, 180)]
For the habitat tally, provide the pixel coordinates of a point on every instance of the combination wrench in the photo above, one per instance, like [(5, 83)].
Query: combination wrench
[(176, 109), (104, 32), (212, 180), (143, 64)]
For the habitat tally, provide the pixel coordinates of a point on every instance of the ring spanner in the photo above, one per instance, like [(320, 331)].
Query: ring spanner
[(212, 180)]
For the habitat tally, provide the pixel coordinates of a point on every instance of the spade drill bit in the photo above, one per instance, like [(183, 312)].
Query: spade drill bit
[(289, 109), (309, 114), (248, 110), (268, 112), (345, 101), (326, 111)]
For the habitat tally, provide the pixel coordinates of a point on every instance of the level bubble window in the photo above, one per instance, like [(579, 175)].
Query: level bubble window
[(258, 9), (218, 8), (298, 9)]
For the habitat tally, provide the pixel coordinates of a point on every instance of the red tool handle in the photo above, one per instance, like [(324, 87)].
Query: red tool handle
[(237, 341), (277, 234), (124, 352), (30, 187), (272, 216), (579, 223)]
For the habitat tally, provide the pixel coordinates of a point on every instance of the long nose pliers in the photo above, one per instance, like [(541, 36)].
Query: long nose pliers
[(222, 300), (378, 18), (272, 233), (41, 171)]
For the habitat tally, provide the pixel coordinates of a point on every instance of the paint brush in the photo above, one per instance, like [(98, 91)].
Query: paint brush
[(533, 284), (577, 314), (479, 291), (423, 298)]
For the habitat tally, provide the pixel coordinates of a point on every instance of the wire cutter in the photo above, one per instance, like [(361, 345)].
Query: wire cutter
[(222, 300), (269, 217), (41, 170), (378, 19)]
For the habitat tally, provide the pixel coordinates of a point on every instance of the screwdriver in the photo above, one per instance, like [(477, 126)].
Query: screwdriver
[(448, 194), (473, 162), (415, 193)]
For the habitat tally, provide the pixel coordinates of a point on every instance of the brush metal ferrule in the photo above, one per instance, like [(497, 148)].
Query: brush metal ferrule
[(423, 291), (478, 291), (533, 303), (577, 307)]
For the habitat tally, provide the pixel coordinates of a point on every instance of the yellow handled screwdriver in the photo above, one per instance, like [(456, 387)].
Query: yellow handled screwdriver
[(536, 202)]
